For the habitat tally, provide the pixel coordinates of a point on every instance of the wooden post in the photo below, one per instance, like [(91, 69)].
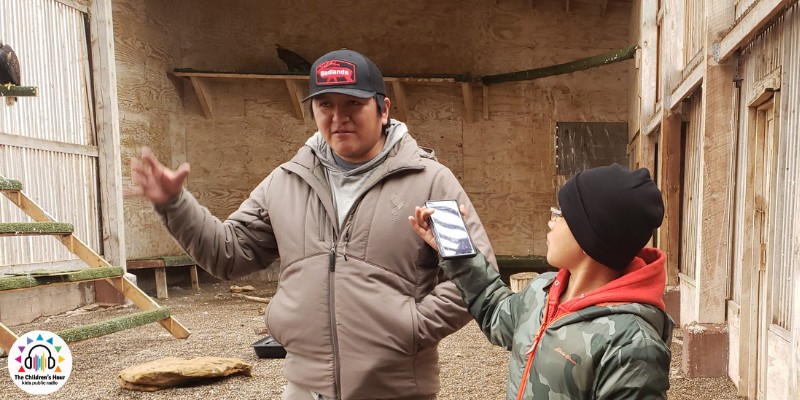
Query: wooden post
[(670, 185), (161, 283), (108, 136), (193, 274), (520, 280), (717, 162)]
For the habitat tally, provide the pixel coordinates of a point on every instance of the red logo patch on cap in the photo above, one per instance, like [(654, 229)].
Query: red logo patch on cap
[(336, 72)]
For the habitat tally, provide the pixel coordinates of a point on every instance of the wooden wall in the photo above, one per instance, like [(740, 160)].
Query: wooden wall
[(147, 46), (506, 162)]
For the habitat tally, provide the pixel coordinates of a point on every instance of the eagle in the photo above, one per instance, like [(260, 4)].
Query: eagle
[(293, 60), (9, 70)]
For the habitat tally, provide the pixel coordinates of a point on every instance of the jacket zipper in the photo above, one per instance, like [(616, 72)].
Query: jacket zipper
[(532, 351), (331, 288), (332, 302), (334, 336)]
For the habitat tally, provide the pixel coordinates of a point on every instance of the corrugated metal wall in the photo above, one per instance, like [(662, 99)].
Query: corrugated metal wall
[(690, 204), (50, 41)]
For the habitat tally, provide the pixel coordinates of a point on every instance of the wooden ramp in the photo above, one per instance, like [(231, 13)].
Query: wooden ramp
[(100, 270)]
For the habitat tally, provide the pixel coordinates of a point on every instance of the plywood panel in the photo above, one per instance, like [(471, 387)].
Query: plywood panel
[(506, 161), (147, 46)]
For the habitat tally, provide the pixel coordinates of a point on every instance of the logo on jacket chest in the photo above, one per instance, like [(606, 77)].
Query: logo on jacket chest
[(397, 204)]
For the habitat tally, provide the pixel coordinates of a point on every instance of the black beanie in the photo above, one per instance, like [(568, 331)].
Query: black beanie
[(611, 212)]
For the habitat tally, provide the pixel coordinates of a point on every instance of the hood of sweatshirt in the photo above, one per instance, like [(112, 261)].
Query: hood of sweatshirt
[(638, 291), (394, 133)]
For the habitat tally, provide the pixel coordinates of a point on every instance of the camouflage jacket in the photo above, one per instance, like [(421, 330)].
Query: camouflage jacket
[(606, 351)]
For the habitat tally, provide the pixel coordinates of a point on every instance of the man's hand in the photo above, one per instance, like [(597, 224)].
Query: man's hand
[(423, 228), (153, 180)]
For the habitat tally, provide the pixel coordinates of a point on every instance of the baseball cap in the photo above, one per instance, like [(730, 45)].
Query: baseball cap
[(347, 72)]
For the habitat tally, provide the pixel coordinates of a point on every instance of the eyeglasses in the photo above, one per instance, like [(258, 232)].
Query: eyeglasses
[(555, 213)]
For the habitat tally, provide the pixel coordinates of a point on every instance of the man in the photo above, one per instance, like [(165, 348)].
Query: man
[(597, 329), (361, 304)]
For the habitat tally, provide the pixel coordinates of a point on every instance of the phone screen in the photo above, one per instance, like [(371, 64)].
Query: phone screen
[(450, 230)]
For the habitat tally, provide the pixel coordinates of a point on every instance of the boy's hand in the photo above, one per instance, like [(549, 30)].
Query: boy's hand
[(153, 180), (423, 228)]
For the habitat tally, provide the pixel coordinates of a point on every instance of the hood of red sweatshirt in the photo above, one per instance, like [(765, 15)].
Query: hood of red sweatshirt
[(643, 282)]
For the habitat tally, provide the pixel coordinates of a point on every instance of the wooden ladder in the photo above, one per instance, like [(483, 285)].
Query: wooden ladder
[(152, 312)]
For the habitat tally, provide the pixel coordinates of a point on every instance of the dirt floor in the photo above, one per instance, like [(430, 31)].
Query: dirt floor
[(224, 326)]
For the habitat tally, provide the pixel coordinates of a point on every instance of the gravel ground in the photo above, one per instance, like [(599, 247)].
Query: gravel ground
[(224, 326)]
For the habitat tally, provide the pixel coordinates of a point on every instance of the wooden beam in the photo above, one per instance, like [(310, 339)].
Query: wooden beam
[(7, 338), (485, 102), (467, 92), (603, 7), (651, 124), (578, 65), (103, 328), (400, 98), (748, 25), (567, 6), (19, 91), (203, 95), (48, 145), (685, 88), (298, 107), (80, 5), (107, 127), (144, 302), (433, 78), (64, 283)]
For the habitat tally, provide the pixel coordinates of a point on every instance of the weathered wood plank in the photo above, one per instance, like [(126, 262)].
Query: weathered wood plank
[(748, 25), (108, 135), (47, 145), (7, 338), (687, 87)]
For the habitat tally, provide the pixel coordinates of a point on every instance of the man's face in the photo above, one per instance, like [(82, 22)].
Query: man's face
[(350, 125)]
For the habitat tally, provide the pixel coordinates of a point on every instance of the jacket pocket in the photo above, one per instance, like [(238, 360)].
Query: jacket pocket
[(266, 321), (414, 326)]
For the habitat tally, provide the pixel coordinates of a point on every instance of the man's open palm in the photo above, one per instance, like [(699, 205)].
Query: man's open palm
[(153, 180)]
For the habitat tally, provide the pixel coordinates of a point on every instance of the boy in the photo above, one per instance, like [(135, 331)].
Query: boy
[(597, 329)]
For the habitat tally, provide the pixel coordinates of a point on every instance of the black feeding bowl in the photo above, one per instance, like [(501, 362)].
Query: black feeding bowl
[(268, 347)]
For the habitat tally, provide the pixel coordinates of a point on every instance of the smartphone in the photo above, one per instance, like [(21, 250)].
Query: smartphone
[(450, 230)]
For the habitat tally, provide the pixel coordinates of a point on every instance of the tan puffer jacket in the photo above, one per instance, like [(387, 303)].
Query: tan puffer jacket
[(361, 309)]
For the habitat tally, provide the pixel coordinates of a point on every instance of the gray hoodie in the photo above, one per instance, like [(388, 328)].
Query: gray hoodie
[(347, 185)]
